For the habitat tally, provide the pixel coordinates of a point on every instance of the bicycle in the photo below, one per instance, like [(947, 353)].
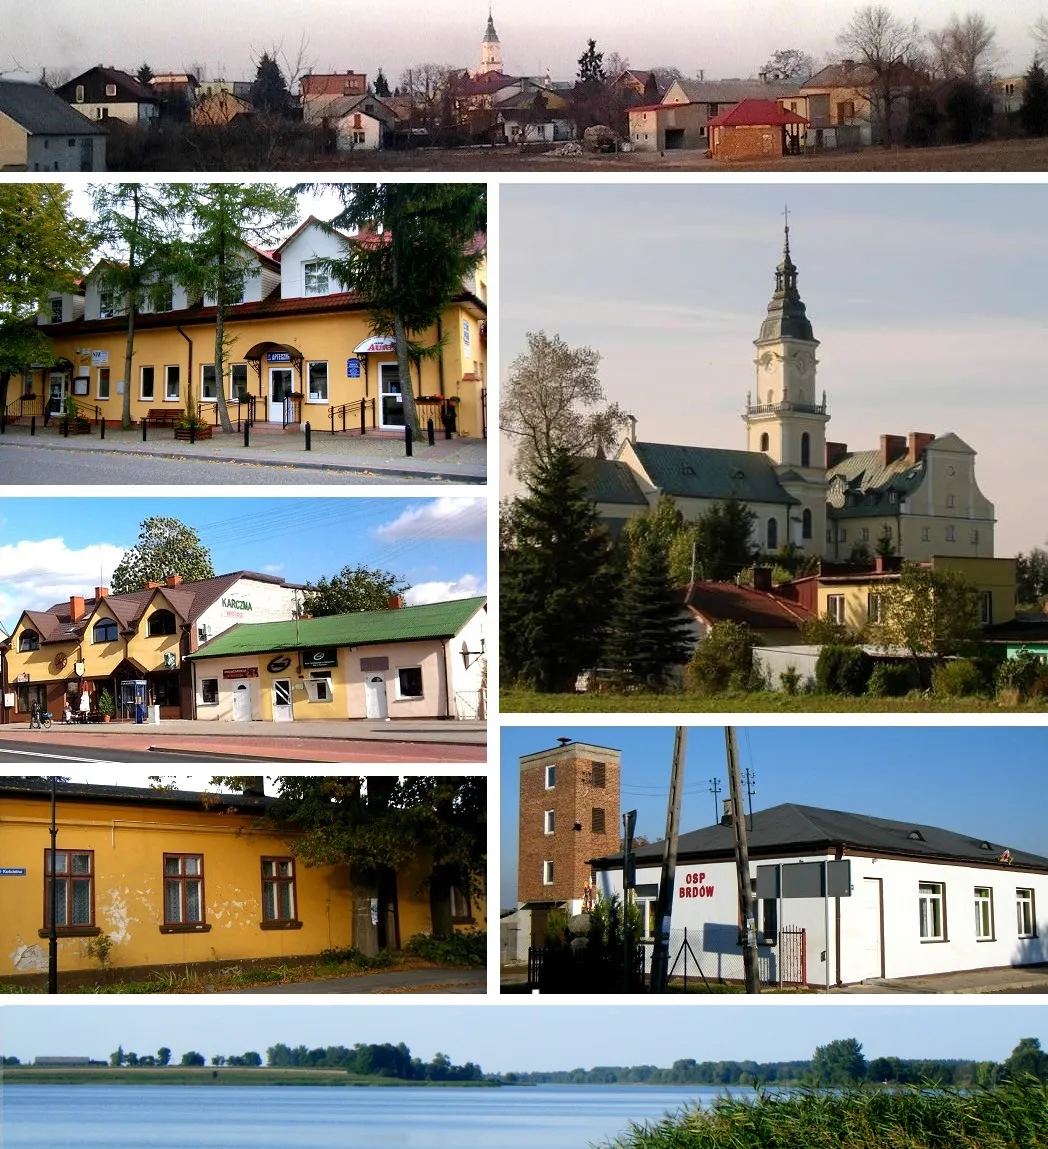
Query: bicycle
[(41, 720)]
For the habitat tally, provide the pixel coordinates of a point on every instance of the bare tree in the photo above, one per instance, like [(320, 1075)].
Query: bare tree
[(965, 49), (615, 64), (891, 49), (787, 63), (1039, 34)]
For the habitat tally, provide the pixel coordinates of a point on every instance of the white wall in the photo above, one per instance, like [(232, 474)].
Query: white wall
[(54, 154), (311, 243), (466, 682), (270, 602), (347, 127)]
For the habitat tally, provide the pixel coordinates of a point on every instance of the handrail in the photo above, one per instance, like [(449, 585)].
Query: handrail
[(357, 410), (292, 410)]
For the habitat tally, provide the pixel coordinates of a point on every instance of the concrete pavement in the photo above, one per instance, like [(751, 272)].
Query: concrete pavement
[(1009, 979)]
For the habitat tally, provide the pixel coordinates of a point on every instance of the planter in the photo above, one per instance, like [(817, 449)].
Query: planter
[(203, 432), (106, 717)]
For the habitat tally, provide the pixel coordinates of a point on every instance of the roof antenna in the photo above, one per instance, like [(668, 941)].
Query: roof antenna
[(564, 741)]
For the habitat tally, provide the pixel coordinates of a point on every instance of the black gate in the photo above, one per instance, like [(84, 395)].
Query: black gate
[(793, 956)]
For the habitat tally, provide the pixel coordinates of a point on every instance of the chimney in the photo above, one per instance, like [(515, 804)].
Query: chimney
[(76, 607), (728, 815), (892, 446), (834, 453), (762, 578), (395, 602), (153, 585), (101, 592), (918, 440), (254, 787), (633, 427), (174, 580)]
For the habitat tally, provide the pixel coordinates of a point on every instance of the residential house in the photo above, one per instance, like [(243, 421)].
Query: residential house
[(755, 130), (1008, 94), (216, 109), (773, 619), (109, 94), (40, 132), (643, 85), (366, 124), (327, 97), (535, 116), (177, 92), (847, 104)]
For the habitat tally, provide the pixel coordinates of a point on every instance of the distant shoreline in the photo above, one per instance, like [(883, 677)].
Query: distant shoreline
[(187, 1075)]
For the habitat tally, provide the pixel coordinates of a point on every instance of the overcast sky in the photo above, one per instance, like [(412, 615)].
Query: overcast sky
[(722, 37), (927, 300)]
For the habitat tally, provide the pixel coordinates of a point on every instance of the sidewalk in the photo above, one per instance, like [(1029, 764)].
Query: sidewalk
[(1006, 979), (453, 460)]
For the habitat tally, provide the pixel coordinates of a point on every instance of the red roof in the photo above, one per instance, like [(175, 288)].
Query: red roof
[(722, 601), (756, 113)]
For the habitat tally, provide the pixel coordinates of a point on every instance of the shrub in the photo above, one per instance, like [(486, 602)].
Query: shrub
[(843, 670), (469, 948), (351, 956), (891, 680), (723, 660), (790, 680), (958, 678), (1020, 673)]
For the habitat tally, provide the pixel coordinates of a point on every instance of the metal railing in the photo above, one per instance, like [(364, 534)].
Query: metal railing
[(352, 415), (787, 405), (25, 405), (292, 410)]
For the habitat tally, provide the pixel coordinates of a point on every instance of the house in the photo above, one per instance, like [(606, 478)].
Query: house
[(134, 646), (1008, 94), (239, 88), (643, 85), (403, 662), (40, 132), (772, 618), (327, 96), (846, 103), (535, 116), (303, 348), (109, 94), (846, 898), (218, 109), (366, 124), (681, 119), (755, 130), (175, 878), (177, 93)]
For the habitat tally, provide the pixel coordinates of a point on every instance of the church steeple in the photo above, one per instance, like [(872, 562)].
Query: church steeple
[(490, 48), (786, 313)]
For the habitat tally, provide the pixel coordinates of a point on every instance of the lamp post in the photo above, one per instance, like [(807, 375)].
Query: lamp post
[(52, 935)]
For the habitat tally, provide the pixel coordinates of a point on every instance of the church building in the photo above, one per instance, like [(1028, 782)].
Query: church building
[(919, 489)]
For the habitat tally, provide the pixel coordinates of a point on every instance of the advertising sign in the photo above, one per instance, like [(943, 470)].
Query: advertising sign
[(279, 664), (99, 358), (375, 344), (322, 656), (278, 356), (241, 672), (353, 368)]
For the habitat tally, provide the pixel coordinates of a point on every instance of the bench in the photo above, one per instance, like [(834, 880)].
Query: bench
[(165, 416)]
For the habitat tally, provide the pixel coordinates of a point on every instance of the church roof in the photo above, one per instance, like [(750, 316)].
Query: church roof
[(490, 35), (711, 473), (866, 485), (610, 481), (786, 317)]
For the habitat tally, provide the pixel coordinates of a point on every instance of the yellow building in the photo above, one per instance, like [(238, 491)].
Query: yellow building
[(172, 878), (301, 350)]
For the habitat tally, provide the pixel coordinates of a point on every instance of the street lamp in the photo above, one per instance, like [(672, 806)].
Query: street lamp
[(52, 936)]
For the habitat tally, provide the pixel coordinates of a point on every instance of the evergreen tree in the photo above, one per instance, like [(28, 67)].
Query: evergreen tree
[(165, 547), (649, 635), (885, 547), (269, 91), (724, 540), (144, 74), (556, 580), (381, 84), (591, 65), (1033, 114)]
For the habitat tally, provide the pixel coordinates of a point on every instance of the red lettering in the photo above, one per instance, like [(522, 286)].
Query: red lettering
[(709, 891), (683, 892)]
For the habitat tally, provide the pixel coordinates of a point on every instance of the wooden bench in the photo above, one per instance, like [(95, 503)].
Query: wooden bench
[(165, 416)]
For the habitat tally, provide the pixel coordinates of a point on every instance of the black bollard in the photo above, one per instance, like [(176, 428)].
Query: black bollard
[(145, 426), (102, 428), (32, 424), (192, 431), (407, 440), (3, 422), (65, 427), (247, 432), (309, 437), (430, 433), (363, 426)]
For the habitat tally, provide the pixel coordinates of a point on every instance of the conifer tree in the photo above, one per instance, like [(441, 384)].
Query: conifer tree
[(381, 84), (269, 91), (1033, 114)]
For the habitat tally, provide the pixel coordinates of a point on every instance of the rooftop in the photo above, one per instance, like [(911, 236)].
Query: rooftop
[(41, 112), (711, 473), (132, 795)]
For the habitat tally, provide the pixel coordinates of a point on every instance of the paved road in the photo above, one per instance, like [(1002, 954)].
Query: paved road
[(403, 980), (44, 465), (12, 753)]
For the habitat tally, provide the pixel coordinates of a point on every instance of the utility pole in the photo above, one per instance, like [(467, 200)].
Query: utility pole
[(742, 865), (715, 789), (629, 880), (52, 934), (750, 782), (660, 954)]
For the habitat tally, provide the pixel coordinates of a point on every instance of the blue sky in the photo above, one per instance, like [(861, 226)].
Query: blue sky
[(926, 299), (519, 1036), (51, 548), (988, 781)]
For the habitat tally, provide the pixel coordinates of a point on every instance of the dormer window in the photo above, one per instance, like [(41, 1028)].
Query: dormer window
[(915, 836), (161, 622), (316, 279), (104, 630), (56, 310), (79, 97), (110, 90), (28, 640), (164, 297), (106, 305)]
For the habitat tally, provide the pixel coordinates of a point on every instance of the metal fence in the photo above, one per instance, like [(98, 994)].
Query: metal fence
[(712, 954)]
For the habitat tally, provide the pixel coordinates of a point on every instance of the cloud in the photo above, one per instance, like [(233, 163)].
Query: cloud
[(444, 518), (466, 586), (272, 568), (34, 575)]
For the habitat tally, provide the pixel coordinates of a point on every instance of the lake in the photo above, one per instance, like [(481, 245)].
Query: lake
[(312, 1117)]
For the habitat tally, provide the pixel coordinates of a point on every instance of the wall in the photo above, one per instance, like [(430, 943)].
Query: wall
[(747, 143), (313, 242), (269, 602), (468, 664), (14, 145), (349, 126), (62, 153)]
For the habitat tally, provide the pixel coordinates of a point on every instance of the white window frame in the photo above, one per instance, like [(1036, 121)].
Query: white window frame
[(398, 694), (926, 534), (310, 398), (986, 607), (874, 607), (316, 279), (78, 95), (60, 303), (176, 368), (551, 777), (864, 534), (110, 91), (951, 501), (214, 382), (142, 396), (835, 608), (951, 534), (932, 902), (548, 872), (247, 380), (983, 905), (319, 686), (549, 821), (103, 373), (204, 701), (106, 303), (1026, 912)]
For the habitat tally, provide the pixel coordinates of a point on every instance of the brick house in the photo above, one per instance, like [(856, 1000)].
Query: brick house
[(756, 130)]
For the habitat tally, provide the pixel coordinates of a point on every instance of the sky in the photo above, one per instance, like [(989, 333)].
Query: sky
[(49, 550), (722, 37), (926, 299), (987, 781), (511, 1036)]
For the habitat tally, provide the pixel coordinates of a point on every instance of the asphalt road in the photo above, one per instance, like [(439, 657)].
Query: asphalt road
[(41, 465), (14, 752)]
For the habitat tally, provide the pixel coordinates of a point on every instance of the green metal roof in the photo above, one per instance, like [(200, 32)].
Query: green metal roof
[(610, 481), (787, 318), (408, 624), (712, 473)]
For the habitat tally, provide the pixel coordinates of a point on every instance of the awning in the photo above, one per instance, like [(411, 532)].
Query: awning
[(376, 344)]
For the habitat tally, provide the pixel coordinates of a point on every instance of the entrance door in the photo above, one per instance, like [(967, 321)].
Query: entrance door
[(871, 945), (282, 700), (59, 384), (281, 384), (242, 704), (375, 702), (391, 401)]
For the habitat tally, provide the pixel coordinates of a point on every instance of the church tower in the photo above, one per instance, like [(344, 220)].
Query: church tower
[(785, 419), (490, 49)]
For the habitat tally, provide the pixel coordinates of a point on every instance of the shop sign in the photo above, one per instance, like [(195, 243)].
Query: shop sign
[(375, 663), (324, 656), (241, 672), (99, 358), (352, 368), (79, 668), (278, 356), (279, 664), (376, 344), (237, 604), (694, 886), (12, 871)]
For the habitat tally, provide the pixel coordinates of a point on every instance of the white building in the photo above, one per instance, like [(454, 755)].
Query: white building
[(847, 898)]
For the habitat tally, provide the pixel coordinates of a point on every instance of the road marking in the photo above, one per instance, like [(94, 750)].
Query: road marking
[(32, 754)]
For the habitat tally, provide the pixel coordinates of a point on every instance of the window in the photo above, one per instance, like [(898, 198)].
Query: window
[(597, 820), (875, 607), (74, 876), (165, 691), (951, 501), (183, 889), (844, 535), (103, 382), (318, 383), (773, 535), (975, 537), (316, 278), (764, 441), (25, 696), (547, 872), (147, 388), (864, 534), (237, 380), (829, 534), (319, 686), (28, 640), (208, 383), (278, 890), (164, 297), (933, 919), (926, 534), (951, 534), (172, 385), (835, 608), (549, 821), (767, 915), (106, 305), (79, 97), (161, 622), (110, 89), (551, 777), (805, 450), (359, 138), (1024, 912), (986, 607), (56, 310), (461, 910), (983, 914), (806, 525), (105, 630), (409, 682), (209, 691), (598, 775)]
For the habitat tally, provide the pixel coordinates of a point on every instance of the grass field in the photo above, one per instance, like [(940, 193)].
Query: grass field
[(181, 1075)]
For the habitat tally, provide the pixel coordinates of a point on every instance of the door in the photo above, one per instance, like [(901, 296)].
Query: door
[(391, 401), (87, 153), (242, 704), (282, 711), (871, 946), (56, 394), (375, 702), (281, 384)]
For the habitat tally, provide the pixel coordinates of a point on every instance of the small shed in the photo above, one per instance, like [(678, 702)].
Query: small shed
[(756, 130)]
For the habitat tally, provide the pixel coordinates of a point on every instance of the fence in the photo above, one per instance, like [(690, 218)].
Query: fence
[(588, 969), (713, 954)]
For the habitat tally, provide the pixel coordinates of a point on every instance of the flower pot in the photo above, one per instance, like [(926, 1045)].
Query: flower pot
[(203, 432), (106, 717)]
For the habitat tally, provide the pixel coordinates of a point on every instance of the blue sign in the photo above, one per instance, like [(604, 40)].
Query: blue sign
[(465, 332), (11, 872), (278, 356), (353, 368)]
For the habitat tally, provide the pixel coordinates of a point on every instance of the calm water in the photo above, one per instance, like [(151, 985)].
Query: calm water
[(296, 1117)]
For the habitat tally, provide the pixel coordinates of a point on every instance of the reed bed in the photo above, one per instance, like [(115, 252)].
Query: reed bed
[(1013, 1115)]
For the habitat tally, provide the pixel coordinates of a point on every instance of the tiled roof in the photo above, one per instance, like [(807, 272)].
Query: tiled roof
[(754, 113), (610, 481), (408, 624), (711, 473), (43, 113), (332, 84), (133, 795), (127, 85), (868, 483), (726, 602), (734, 91), (846, 74)]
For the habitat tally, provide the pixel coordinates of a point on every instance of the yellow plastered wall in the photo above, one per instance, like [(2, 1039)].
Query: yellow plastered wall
[(14, 145), (997, 576), (856, 601)]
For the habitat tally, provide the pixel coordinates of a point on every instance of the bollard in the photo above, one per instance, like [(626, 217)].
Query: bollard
[(145, 425), (363, 427), (32, 424), (407, 440), (192, 431), (447, 428), (3, 422), (102, 426), (332, 414), (65, 427), (430, 433), (247, 432), (309, 437)]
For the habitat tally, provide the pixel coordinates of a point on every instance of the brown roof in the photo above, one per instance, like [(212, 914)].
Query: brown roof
[(726, 602), (332, 84)]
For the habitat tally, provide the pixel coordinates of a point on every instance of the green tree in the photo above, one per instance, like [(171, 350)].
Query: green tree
[(885, 547), (723, 660), (133, 223), (1027, 1058), (591, 66), (381, 84), (117, 1057), (417, 245), (649, 636), (1033, 113), (788, 64), (352, 589), (163, 1056), (193, 1058), (557, 580), (661, 525), (839, 1063), (1031, 576), (269, 90), (724, 540), (144, 74), (165, 547), (226, 222), (45, 248)]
